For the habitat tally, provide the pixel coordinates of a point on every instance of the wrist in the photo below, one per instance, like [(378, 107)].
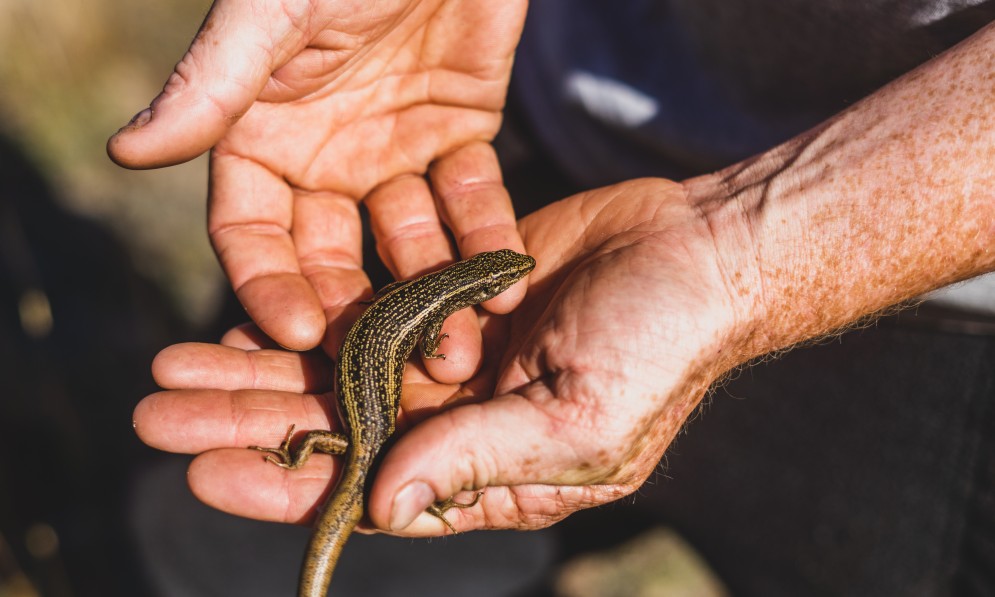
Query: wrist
[(889, 199), (799, 262), (727, 209)]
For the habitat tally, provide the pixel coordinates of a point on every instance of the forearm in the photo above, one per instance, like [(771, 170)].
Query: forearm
[(892, 198)]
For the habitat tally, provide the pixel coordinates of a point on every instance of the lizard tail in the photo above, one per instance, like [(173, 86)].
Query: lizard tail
[(341, 513)]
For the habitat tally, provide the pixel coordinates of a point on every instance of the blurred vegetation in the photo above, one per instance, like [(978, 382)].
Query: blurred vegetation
[(96, 264), (73, 72), (657, 563)]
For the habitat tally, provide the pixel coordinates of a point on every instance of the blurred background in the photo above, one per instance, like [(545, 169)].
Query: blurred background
[(72, 72), (100, 268)]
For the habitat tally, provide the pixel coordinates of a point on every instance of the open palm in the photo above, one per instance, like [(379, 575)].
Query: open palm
[(316, 107)]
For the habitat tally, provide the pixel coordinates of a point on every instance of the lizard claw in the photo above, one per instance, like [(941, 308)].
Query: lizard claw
[(438, 509), (282, 456)]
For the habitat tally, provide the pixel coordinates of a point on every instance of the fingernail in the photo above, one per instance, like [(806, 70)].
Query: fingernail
[(139, 120), (411, 501)]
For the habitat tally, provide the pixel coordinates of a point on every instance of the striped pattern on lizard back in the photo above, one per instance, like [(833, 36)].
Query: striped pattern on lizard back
[(368, 379)]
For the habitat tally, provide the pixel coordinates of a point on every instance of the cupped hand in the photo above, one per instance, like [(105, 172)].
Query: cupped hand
[(311, 107), (629, 318)]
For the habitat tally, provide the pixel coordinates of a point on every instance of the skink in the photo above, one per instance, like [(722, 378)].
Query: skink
[(368, 377)]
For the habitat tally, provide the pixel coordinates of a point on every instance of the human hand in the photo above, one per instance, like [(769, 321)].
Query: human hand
[(313, 106), (627, 321), (643, 294)]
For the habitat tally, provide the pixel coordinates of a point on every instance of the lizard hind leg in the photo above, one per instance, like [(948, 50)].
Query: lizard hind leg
[(439, 509), (283, 456)]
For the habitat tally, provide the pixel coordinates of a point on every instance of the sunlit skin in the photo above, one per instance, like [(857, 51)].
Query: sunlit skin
[(644, 294), (312, 106), (592, 334)]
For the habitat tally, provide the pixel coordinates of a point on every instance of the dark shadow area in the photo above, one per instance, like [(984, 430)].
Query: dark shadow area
[(78, 329), (858, 467)]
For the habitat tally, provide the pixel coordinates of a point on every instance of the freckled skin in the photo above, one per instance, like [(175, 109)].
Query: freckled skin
[(368, 378)]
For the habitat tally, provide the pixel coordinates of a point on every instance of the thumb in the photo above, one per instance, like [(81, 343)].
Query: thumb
[(221, 75), (509, 441)]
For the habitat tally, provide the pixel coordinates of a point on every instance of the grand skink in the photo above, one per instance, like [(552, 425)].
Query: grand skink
[(368, 378)]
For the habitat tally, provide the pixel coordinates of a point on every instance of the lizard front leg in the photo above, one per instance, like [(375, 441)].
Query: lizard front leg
[(432, 338)]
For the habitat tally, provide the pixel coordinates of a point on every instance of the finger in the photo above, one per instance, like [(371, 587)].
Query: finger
[(247, 336), (328, 238), (241, 482), (250, 216), (224, 71), (476, 207), (195, 365), (405, 224), (522, 507), (412, 241), (504, 442), (194, 421)]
